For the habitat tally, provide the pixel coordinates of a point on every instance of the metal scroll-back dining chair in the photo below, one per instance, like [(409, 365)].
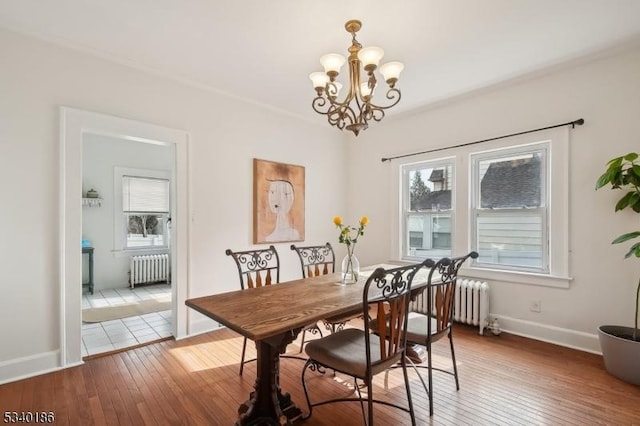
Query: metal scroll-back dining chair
[(436, 319), (256, 268), (362, 354), (316, 261)]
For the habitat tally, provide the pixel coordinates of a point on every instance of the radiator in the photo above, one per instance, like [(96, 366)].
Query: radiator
[(470, 305), (150, 268)]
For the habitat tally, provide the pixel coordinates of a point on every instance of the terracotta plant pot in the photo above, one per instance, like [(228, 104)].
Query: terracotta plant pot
[(621, 354)]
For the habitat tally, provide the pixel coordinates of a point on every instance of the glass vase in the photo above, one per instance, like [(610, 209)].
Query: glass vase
[(350, 269)]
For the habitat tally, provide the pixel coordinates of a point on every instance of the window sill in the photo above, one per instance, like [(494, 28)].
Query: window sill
[(526, 278)]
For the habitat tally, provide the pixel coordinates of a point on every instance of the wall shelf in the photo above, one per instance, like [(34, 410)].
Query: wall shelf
[(92, 202)]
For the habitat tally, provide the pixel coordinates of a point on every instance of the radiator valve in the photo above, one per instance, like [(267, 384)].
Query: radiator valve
[(494, 326)]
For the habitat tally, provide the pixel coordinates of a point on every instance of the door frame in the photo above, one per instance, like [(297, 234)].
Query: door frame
[(74, 123)]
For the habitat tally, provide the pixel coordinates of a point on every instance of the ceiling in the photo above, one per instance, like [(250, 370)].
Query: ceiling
[(263, 51)]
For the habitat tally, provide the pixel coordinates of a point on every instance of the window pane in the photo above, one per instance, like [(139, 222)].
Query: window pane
[(510, 182), (441, 232), (145, 230), (415, 239), (510, 239), (429, 235)]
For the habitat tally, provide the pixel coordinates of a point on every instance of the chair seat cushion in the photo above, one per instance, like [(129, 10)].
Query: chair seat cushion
[(417, 329), (345, 351)]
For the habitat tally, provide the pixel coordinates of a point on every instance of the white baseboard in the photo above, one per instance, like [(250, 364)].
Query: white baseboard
[(559, 336), (29, 366)]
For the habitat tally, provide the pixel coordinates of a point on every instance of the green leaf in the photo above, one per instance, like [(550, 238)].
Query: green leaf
[(626, 237), (634, 250), (615, 163), (624, 201), (634, 199), (631, 156), (633, 175), (603, 180), (616, 177)]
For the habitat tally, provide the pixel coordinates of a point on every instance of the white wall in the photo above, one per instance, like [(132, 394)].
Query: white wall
[(100, 155), (606, 93), (225, 134)]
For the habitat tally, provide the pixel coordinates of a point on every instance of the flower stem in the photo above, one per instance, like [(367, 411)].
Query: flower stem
[(350, 269)]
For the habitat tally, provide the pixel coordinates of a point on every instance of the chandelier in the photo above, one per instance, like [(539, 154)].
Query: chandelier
[(356, 110)]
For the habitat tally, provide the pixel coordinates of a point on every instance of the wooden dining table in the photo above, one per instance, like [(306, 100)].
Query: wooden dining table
[(272, 316)]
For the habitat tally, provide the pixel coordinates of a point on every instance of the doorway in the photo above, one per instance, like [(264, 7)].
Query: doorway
[(76, 126), (126, 214)]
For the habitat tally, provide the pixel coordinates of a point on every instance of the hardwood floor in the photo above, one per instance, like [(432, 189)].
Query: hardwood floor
[(504, 380)]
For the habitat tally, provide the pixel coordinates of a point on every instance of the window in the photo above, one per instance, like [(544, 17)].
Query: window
[(507, 199), (509, 208), (145, 212), (427, 197)]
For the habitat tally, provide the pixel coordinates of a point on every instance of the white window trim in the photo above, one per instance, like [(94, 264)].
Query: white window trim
[(119, 235), (558, 216)]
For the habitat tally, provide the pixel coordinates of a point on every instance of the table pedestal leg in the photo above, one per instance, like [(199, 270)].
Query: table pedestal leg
[(268, 405)]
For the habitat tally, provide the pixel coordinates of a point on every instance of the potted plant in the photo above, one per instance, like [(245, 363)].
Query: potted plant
[(621, 345)]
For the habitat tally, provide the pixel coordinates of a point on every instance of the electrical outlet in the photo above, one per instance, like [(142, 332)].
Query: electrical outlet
[(535, 306)]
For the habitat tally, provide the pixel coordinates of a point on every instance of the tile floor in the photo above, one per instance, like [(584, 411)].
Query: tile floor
[(122, 333)]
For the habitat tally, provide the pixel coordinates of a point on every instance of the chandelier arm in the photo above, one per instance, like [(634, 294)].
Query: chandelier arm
[(332, 99), (332, 113), (344, 104), (375, 113), (345, 113), (340, 110), (391, 94), (337, 115), (335, 118), (320, 102)]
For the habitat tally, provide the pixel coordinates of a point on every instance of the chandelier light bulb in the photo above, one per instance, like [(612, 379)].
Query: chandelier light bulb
[(391, 72), (332, 62), (319, 79), (370, 57)]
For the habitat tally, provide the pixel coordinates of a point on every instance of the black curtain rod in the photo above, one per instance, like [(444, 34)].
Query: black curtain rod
[(573, 124)]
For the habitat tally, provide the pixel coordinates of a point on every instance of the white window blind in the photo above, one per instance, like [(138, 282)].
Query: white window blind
[(145, 194)]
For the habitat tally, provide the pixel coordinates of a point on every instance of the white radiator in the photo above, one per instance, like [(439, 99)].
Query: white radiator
[(150, 268), (470, 305)]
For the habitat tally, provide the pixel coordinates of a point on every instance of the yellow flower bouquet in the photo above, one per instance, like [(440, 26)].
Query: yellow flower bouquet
[(349, 236)]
